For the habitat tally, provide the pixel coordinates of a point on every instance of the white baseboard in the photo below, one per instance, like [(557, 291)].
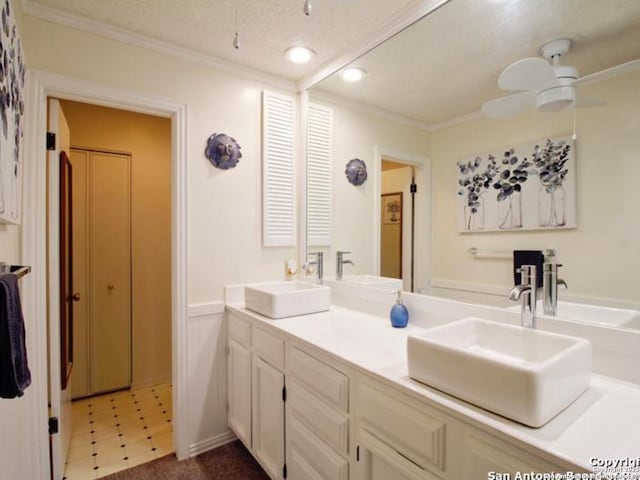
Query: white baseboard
[(150, 382), (211, 443)]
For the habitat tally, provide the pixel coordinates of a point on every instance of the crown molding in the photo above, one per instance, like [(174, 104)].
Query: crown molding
[(324, 96), (394, 25), (54, 15)]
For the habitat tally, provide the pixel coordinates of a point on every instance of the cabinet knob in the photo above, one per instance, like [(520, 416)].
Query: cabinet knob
[(76, 297), (110, 287)]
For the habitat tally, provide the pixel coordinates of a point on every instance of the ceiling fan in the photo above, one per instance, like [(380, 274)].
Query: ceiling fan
[(549, 86)]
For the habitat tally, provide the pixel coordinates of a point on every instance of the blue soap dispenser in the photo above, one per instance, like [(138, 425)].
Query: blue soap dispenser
[(399, 315)]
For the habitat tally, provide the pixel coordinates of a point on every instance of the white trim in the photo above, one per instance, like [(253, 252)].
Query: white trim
[(150, 382), (34, 285), (40, 86), (324, 96), (422, 266), (61, 17), (196, 310), (211, 443), (392, 27)]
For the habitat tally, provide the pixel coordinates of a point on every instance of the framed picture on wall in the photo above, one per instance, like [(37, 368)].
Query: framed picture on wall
[(12, 77), (392, 207)]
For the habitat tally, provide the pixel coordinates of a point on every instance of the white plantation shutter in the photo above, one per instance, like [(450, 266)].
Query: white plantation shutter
[(319, 150), (278, 179)]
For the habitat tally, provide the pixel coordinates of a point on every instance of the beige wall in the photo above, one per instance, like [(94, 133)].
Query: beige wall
[(356, 134), (600, 257), (222, 248), (148, 139)]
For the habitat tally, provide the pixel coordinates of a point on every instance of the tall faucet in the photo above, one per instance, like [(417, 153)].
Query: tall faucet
[(526, 292), (550, 282), (319, 263), (340, 262)]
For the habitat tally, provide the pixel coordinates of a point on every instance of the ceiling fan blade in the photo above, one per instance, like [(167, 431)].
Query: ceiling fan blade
[(526, 74), (509, 106), (583, 101)]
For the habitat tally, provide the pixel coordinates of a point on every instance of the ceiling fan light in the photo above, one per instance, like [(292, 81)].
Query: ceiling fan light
[(555, 99)]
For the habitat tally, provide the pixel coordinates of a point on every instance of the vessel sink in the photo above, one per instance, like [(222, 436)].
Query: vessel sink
[(600, 315), (286, 299), (523, 374), (374, 281)]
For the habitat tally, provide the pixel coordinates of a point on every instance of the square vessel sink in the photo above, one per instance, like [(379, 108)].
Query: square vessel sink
[(287, 299), (523, 374)]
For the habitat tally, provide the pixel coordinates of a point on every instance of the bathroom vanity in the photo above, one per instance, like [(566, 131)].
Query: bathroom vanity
[(328, 396)]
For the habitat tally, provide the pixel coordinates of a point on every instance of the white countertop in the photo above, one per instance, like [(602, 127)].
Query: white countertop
[(604, 422)]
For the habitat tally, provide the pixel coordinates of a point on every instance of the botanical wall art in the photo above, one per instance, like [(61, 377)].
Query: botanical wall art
[(392, 207), (529, 187), (222, 151), (12, 76)]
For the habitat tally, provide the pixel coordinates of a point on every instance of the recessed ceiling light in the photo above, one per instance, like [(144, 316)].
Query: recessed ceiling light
[(299, 54), (353, 74)]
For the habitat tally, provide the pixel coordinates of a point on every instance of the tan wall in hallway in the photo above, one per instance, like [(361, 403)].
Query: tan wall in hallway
[(148, 139)]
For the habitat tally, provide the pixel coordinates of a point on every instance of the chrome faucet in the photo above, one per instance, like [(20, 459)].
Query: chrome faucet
[(340, 262), (550, 282), (319, 263), (526, 292)]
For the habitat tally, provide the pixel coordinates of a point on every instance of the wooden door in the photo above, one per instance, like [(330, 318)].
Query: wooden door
[(102, 271), (109, 214), (59, 396)]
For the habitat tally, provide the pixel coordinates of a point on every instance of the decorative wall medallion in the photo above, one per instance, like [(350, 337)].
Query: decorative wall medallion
[(222, 151), (356, 172)]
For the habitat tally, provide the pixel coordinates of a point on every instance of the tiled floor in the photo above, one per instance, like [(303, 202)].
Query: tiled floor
[(119, 430)]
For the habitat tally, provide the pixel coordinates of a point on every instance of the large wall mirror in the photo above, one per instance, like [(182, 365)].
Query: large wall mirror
[(417, 113)]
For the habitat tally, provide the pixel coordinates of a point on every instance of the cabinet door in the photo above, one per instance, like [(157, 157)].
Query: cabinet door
[(268, 417), (379, 461), (239, 371)]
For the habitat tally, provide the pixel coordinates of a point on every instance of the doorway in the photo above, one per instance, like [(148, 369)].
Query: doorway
[(121, 204), (402, 217)]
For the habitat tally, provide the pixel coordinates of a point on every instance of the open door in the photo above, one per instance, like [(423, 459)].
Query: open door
[(58, 298)]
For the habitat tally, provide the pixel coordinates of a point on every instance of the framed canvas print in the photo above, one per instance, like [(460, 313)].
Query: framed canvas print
[(392, 208)]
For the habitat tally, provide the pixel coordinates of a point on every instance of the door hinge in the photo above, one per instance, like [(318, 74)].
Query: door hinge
[(51, 141), (53, 425), (284, 394), (284, 471), (358, 453), (414, 188)]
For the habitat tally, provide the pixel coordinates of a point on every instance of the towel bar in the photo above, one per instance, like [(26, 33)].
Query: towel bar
[(18, 270), (506, 254)]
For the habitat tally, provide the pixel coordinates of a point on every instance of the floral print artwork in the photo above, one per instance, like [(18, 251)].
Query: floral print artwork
[(529, 187)]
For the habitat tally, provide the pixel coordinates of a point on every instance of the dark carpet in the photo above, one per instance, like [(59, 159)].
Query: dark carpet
[(229, 462)]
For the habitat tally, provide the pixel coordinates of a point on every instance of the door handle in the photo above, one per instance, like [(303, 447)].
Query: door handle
[(76, 297)]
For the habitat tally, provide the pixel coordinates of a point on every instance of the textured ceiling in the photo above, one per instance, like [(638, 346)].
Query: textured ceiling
[(447, 65), (266, 27)]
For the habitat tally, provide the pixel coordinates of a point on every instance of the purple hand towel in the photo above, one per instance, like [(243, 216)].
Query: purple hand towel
[(15, 376)]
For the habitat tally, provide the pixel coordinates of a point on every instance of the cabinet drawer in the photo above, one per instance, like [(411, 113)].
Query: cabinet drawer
[(312, 457), (320, 379), (268, 347), (412, 431), (240, 330), (328, 424)]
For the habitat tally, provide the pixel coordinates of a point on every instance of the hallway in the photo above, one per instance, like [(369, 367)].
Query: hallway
[(119, 430)]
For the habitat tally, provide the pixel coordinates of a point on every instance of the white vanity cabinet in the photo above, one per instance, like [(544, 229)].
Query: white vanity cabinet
[(256, 392), (317, 419)]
